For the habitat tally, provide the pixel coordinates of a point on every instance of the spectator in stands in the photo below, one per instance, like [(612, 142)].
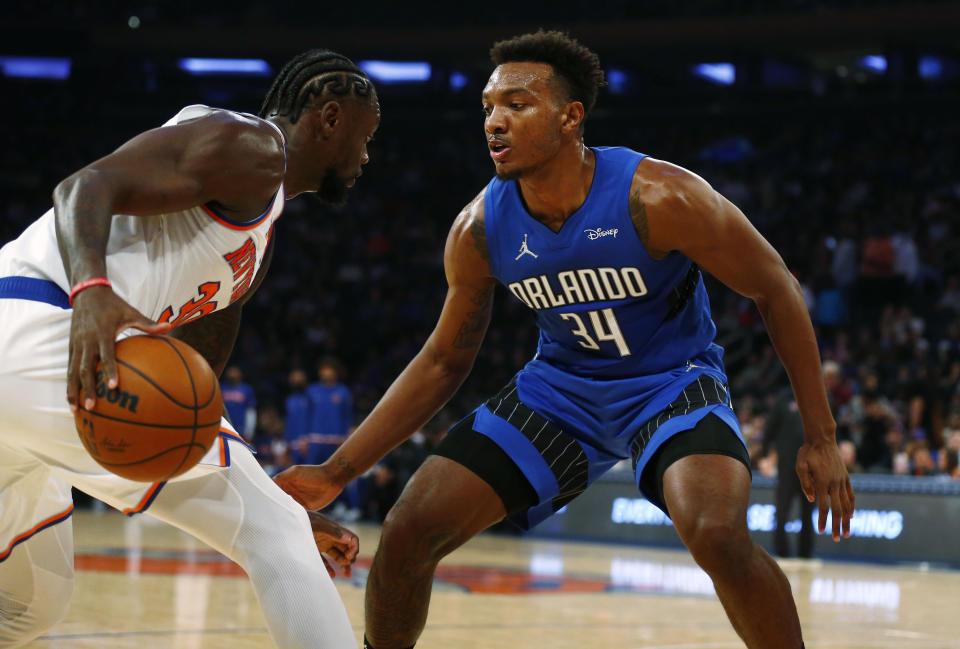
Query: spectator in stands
[(950, 463), (297, 417), (331, 421), (878, 285), (921, 461), (784, 437), (331, 412), (950, 299), (879, 436), (240, 402), (272, 449), (848, 451)]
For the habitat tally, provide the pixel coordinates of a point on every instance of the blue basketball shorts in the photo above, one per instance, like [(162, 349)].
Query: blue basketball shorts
[(539, 464)]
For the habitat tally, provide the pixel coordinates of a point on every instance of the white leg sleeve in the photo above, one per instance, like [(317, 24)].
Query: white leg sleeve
[(243, 514), (36, 582)]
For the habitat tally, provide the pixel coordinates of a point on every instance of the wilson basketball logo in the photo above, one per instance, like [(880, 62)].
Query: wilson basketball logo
[(122, 398)]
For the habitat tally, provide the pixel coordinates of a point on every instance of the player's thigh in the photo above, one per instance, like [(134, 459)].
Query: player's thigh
[(706, 477), (535, 466), (444, 504), (132, 497), (34, 416), (33, 366), (233, 505)]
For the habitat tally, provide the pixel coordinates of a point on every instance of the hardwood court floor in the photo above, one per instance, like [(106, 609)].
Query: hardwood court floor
[(143, 584)]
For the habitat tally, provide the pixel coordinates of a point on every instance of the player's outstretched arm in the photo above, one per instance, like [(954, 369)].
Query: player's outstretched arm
[(431, 378), (220, 157), (675, 209)]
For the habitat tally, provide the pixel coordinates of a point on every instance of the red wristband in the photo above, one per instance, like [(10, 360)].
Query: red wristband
[(87, 283)]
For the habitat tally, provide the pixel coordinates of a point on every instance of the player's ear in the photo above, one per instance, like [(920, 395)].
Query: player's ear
[(571, 116), (329, 118)]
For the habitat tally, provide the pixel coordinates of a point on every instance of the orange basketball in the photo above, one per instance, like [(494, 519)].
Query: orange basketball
[(163, 416)]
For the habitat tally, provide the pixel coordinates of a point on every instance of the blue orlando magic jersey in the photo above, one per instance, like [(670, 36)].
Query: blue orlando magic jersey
[(606, 309)]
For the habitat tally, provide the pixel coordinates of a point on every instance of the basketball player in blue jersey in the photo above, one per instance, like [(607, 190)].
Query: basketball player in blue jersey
[(171, 230), (605, 245)]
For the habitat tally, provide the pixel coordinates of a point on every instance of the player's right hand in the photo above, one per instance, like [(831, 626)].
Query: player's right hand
[(336, 541), (312, 485), (99, 315)]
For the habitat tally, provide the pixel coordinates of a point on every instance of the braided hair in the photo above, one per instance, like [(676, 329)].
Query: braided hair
[(313, 73)]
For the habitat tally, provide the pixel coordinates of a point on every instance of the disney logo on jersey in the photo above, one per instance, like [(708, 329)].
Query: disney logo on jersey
[(596, 233)]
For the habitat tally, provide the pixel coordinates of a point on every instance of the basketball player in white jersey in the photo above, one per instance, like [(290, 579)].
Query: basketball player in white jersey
[(170, 232)]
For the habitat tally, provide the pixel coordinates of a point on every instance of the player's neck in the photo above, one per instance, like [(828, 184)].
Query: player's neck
[(558, 188), (292, 184)]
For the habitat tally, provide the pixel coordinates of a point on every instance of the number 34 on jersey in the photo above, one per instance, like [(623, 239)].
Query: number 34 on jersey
[(584, 286)]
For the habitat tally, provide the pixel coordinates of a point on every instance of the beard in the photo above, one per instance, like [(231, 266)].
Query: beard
[(512, 174), (333, 190)]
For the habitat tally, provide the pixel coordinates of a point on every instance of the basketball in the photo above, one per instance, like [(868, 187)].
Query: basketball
[(163, 416)]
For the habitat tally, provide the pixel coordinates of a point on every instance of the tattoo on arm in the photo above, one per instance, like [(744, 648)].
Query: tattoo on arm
[(473, 328), (344, 466), (638, 214), (479, 232)]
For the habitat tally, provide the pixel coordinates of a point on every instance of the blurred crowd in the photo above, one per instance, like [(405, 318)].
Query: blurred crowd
[(861, 198)]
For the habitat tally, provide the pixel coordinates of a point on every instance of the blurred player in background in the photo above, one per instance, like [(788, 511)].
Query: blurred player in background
[(606, 246), (170, 231), (331, 412), (239, 401)]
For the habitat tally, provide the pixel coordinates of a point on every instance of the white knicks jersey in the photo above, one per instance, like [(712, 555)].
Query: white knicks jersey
[(172, 267)]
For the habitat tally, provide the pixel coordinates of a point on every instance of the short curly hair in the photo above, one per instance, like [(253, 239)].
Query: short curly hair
[(574, 64)]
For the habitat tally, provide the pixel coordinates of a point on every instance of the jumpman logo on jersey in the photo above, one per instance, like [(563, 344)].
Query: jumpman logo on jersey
[(524, 250)]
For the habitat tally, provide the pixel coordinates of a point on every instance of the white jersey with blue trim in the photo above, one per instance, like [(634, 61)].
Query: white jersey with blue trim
[(172, 267)]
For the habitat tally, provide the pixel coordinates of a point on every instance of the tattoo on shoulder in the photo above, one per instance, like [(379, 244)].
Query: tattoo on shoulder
[(479, 232), (475, 325), (638, 214)]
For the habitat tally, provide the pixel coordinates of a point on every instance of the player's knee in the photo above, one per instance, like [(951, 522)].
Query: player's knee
[(24, 618), (716, 542), (414, 531), (257, 537)]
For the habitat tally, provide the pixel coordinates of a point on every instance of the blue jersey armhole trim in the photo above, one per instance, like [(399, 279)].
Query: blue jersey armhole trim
[(489, 215)]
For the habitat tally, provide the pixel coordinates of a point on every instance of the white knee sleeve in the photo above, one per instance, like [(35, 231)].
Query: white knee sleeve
[(36, 582), (243, 514)]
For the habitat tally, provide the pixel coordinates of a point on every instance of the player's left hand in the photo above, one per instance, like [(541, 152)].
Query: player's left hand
[(335, 541), (312, 485), (824, 478)]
